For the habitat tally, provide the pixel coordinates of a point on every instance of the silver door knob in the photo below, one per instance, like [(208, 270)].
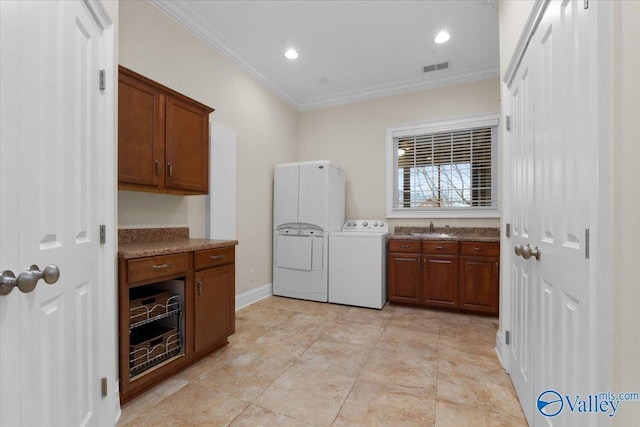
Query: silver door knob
[(528, 252), (28, 279), (518, 249)]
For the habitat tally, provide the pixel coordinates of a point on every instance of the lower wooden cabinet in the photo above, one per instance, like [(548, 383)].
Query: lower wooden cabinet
[(404, 277), (454, 275), (214, 307)]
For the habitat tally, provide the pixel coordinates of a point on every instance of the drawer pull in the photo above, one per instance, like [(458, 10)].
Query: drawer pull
[(405, 246), (199, 287), (477, 249), (214, 257), (439, 247), (161, 266)]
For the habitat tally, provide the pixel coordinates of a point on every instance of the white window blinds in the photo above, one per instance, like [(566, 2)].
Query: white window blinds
[(445, 170)]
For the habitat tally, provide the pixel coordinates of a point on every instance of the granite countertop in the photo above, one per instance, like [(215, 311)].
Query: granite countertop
[(461, 234), (145, 242)]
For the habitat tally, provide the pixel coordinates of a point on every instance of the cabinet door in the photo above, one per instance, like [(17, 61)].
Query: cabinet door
[(479, 284), (187, 147), (404, 278), (140, 132), (214, 307), (440, 281)]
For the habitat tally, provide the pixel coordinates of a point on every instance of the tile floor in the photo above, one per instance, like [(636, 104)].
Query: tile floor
[(301, 363)]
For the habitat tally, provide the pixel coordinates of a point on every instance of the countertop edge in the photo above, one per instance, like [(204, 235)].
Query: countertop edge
[(170, 247), (463, 238)]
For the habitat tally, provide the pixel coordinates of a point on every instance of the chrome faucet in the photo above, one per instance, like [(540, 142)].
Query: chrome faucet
[(431, 229), (447, 229)]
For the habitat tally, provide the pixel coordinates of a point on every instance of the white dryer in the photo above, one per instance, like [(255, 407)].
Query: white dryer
[(358, 264)]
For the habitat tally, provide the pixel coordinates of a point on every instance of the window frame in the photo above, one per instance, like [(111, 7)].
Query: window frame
[(448, 125)]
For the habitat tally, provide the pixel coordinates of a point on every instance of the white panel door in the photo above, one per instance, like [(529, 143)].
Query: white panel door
[(286, 178), (314, 189), (520, 215), (564, 186), (50, 192)]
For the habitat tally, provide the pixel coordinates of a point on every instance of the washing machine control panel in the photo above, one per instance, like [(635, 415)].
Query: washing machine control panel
[(366, 225)]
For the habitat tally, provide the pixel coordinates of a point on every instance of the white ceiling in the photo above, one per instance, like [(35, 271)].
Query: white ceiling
[(365, 49)]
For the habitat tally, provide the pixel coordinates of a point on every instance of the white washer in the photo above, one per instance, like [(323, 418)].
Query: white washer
[(357, 264)]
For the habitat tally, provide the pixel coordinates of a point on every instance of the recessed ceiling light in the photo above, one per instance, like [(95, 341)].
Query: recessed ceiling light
[(291, 54), (442, 37)]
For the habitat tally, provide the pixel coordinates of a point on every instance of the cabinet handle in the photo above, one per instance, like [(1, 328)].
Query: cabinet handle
[(170, 167), (477, 249), (214, 257), (199, 287), (405, 246), (161, 266), (157, 168), (439, 247)]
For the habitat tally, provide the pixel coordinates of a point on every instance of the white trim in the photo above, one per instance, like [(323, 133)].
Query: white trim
[(398, 88), (454, 123), (179, 11), (99, 12), (500, 348), (525, 37), (254, 295)]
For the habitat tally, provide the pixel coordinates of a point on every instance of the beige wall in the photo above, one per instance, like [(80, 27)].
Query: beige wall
[(157, 47), (626, 207), (353, 135)]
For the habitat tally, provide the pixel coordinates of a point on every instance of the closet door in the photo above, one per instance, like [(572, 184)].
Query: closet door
[(520, 214), (565, 140)]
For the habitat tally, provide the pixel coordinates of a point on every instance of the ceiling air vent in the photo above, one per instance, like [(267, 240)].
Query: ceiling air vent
[(435, 67)]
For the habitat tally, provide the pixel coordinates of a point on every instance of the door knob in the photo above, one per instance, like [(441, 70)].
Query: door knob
[(528, 252), (28, 279), (518, 249)]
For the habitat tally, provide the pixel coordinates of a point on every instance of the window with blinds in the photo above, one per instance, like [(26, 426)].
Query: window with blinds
[(452, 169)]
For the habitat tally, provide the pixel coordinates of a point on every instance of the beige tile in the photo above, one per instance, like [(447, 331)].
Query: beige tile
[(371, 404), (281, 342), (306, 394), (263, 316), (247, 336), (368, 316), (403, 369), (450, 414), (490, 394), (456, 363), (353, 333), (310, 324), (335, 357), (409, 341), (154, 395), (424, 321), (191, 405), (469, 344), (243, 375), (255, 416)]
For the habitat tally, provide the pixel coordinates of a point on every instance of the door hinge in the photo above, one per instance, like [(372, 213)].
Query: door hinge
[(508, 122), (586, 4), (507, 337), (103, 80), (103, 234), (586, 243), (507, 230), (103, 387)]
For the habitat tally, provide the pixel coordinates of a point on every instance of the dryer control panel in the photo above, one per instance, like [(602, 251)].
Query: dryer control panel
[(366, 225)]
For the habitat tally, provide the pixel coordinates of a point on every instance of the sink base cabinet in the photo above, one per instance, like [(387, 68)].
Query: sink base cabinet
[(171, 314), (461, 276)]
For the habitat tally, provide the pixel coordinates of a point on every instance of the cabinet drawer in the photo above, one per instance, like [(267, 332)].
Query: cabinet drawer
[(482, 249), (440, 247), (215, 257), (157, 266), (404, 246)]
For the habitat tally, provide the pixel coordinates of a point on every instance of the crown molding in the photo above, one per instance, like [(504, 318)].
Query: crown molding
[(374, 92), (179, 11)]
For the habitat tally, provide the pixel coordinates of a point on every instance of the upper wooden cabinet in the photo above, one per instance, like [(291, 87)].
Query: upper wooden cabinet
[(163, 138)]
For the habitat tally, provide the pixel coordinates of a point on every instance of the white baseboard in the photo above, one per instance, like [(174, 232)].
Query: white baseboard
[(254, 295), (500, 349)]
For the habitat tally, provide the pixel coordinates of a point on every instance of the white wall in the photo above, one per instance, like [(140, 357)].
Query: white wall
[(626, 206), (155, 46), (353, 135)]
